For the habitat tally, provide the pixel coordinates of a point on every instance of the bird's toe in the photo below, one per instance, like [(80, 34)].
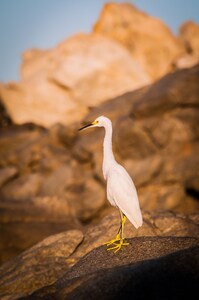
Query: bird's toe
[(118, 245)]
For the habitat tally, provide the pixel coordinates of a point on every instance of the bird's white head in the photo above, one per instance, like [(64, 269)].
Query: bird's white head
[(99, 122)]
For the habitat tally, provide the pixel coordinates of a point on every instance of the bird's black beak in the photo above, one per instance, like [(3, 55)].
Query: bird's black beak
[(91, 124)]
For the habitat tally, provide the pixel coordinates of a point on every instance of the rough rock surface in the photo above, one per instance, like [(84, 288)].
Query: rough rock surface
[(148, 39), (77, 281), (60, 84), (155, 224), (39, 266), (162, 233), (25, 222), (173, 276)]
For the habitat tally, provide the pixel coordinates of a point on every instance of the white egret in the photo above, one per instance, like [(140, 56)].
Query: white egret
[(121, 191)]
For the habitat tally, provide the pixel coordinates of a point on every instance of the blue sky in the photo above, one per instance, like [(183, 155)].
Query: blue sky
[(42, 24)]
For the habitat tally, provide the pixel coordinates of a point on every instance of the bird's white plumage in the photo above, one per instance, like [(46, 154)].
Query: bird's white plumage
[(121, 191)]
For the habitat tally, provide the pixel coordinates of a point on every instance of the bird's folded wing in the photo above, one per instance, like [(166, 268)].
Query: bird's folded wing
[(122, 190)]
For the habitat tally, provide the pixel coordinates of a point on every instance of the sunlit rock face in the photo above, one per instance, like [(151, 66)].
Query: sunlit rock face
[(126, 50), (148, 39), (189, 33), (60, 84), (189, 37)]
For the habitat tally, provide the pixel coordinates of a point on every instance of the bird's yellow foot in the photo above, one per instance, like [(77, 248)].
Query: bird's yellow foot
[(113, 241), (118, 246)]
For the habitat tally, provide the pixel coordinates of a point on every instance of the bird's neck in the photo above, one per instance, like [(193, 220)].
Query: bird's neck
[(107, 148)]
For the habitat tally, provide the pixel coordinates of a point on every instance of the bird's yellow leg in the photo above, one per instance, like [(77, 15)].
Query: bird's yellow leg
[(118, 242), (116, 239), (121, 242), (118, 236)]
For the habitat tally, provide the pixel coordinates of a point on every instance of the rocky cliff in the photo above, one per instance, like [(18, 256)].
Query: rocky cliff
[(127, 49), (54, 215), (148, 39), (51, 181)]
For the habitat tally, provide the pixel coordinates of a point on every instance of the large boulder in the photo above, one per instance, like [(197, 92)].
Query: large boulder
[(59, 85), (28, 221), (41, 186), (154, 224), (173, 276), (148, 39), (39, 266), (47, 264)]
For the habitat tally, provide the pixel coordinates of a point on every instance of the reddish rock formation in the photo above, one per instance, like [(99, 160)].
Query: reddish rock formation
[(171, 276), (47, 263), (189, 34), (52, 179), (189, 37), (148, 39), (58, 85), (127, 50)]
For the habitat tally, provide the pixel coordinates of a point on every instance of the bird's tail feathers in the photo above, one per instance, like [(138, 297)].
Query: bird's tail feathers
[(137, 220)]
